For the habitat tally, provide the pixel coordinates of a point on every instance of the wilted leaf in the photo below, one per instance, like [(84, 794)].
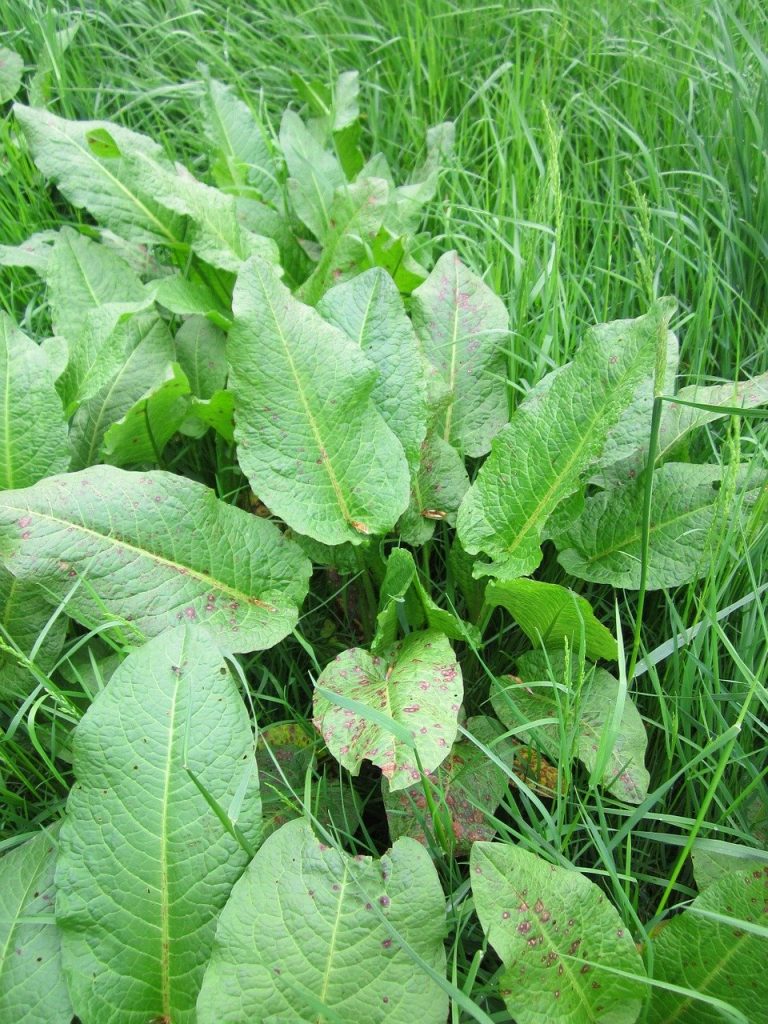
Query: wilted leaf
[(467, 785), (585, 718)]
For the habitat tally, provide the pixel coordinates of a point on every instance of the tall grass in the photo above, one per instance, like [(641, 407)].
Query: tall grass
[(605, 154)]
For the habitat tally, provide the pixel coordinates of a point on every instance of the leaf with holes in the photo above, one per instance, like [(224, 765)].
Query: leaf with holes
[(32, 985), (553, 437), (554, 931), (399, 713), (310, 440), (605, 544), (370, 312), (463, 327), (157, 550), (551, 615), (33, 431), (721, 959), (146, 863), (329, 942), (585, 719), (466, 784)]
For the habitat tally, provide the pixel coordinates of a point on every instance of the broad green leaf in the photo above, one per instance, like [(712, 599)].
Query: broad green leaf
[(437, 488), (464, 327), (34, 253), (11, 69), (49, 59), (218, 412), (141, 435), (310, 441), (146, 362), (604, 544), (214, 230), (83, 275), (370, 312), (146, 864), (354, 219), (315, 174), (551, 615), (410, 200), (242, 155), (715, 958), (100, 348), (554, 931), (189, 298), (634, 424), (396, 256), (157, 550), (413, 697), (24, 615), (201, 354), (678, 420), (330, 934), (32, 986), (402, 586), (104, 186), (33, 431), (539, 458), (467, 785), (713, 859), (581, 719)]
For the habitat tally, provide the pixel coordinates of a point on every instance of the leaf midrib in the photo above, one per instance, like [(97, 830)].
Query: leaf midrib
[(333, 940), (587, 435), (322, 451), (211, 581)]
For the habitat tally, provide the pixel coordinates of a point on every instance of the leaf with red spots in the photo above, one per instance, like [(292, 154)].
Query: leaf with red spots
[(588, 716), (554, 931), (464, 327), (311, 933), (721, 955), (400, 712), (467, 785), (157, 550)]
